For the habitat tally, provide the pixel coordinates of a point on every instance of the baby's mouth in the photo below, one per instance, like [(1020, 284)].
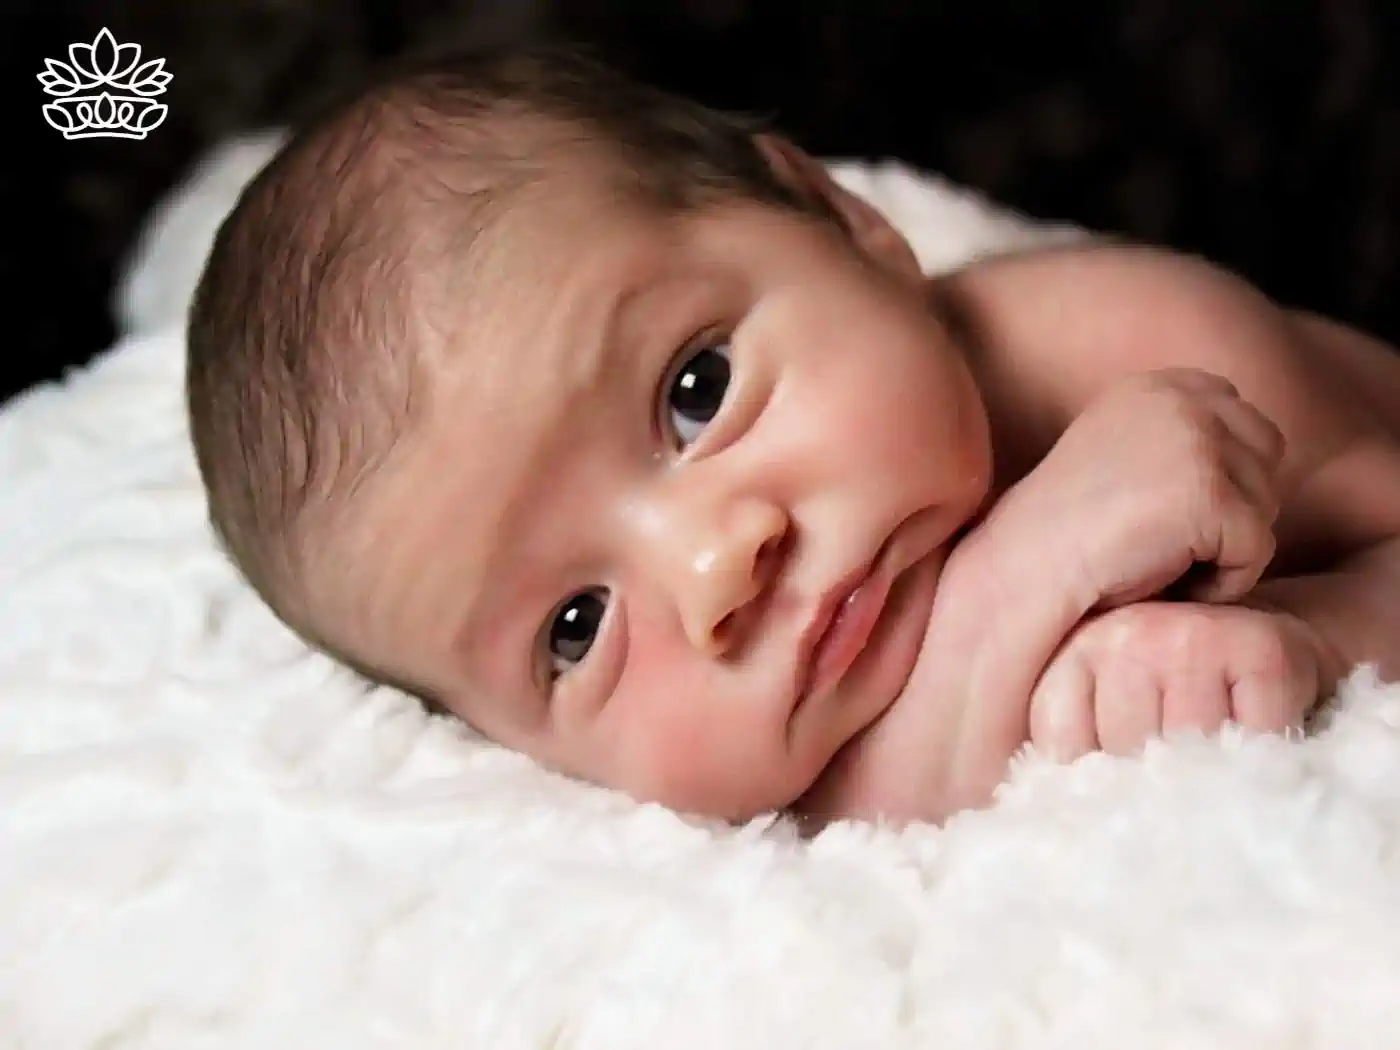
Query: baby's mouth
[(842, 626), (864, 614), (848, 633)]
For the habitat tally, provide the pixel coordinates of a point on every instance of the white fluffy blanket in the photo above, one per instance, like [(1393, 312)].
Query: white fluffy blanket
[(210, 838)]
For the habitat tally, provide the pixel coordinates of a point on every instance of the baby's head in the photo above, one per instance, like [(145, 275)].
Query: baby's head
[(591, 416)]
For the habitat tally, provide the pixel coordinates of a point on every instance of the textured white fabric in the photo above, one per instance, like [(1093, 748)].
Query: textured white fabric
[(211, 838)]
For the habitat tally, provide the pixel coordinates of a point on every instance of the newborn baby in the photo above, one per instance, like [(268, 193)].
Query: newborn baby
[(619, 430)]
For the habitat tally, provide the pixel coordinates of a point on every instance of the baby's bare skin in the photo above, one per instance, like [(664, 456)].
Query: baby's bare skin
[(1130, 396), (1115, 520), (1064, 660)]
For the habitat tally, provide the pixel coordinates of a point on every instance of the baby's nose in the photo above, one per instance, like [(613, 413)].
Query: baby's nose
[(725, 565)]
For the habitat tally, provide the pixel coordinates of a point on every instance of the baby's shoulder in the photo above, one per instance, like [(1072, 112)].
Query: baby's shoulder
[(1067, 321), (1050, 331)]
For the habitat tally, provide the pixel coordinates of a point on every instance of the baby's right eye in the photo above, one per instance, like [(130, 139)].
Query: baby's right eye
[(695, 392), (573, 629)]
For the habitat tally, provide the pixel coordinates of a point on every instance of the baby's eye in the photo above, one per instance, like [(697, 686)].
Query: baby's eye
[(573, 629), (696, 391)]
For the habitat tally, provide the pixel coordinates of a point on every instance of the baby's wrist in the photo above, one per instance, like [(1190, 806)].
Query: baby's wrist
[(1012, 555)]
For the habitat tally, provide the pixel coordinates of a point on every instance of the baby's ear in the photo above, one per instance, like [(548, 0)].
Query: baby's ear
[(872, 233)]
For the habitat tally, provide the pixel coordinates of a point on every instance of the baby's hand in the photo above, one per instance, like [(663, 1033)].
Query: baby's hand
[(1166, 470), (1157, 667)]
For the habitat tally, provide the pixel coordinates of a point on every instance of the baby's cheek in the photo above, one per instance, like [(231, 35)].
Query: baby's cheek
[(666, 721), (682, 739)]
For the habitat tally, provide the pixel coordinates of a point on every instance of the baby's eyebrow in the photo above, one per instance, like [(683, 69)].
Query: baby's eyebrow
[(489, 630), (587, 363)]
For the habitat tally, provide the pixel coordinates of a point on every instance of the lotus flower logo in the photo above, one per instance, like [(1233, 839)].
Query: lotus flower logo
[(105, 90)]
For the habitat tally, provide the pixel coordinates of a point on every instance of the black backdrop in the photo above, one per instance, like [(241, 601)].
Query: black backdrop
[(1262, 133)]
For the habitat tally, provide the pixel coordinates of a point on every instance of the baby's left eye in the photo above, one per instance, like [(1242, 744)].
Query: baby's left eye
[(697, 391), (573, 628)]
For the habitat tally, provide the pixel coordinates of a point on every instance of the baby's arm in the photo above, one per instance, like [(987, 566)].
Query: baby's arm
[(1072, 323), (1069, 326), (1163, 471)]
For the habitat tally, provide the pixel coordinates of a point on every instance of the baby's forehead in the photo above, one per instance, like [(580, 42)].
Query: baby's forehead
[(540, 337), (505, 268)]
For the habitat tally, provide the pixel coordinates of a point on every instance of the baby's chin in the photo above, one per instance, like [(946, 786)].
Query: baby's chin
[(862, 777)]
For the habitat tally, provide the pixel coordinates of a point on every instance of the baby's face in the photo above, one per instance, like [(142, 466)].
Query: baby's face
[(675, 510)]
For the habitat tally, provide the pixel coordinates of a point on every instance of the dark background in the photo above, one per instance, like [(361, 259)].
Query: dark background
[(1262, 133)]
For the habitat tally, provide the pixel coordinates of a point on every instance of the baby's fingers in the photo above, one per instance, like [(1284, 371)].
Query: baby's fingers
[(1127, 705), (1274, 689), (1198, 699), (1062, 724), (1259, 434), (1237, 539)]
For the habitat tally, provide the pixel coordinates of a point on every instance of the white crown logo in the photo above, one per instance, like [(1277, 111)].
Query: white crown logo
[(105, 92)]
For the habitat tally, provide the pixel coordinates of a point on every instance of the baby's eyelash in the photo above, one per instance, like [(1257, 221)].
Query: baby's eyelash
[(666, 431), (572, 629)]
